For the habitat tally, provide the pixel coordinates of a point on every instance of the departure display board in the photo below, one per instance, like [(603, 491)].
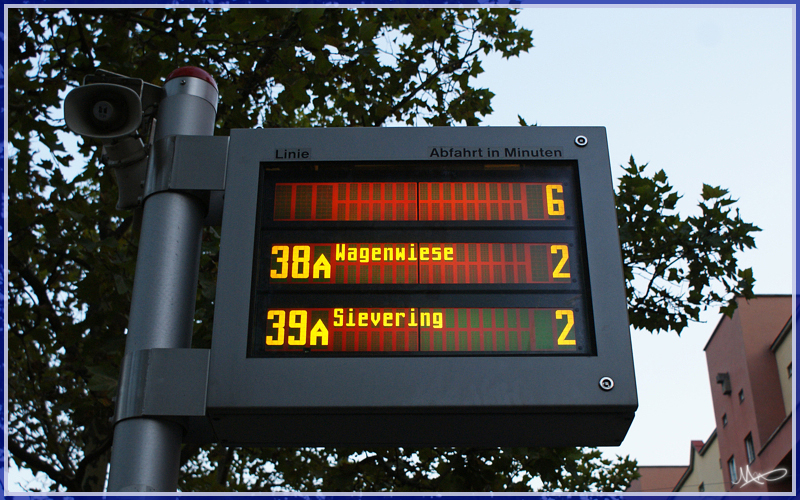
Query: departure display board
[(422, 247), (418, 287)]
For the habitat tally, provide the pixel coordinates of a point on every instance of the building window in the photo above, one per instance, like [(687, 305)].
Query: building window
[(732, 470), (724, 420), (702, 487), (741, 396), (725, 380), (750, 449)]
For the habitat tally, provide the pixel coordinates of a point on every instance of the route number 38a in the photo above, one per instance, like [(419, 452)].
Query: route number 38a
[(301, 265)]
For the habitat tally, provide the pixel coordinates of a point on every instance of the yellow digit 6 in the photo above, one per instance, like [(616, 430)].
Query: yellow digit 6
[(301, 257), (298, 319), (562, 339), (554, 206), (557, 272), (278, 325), (283, 260)]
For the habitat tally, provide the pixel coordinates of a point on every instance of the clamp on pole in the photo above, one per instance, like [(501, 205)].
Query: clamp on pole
[(169, 384)]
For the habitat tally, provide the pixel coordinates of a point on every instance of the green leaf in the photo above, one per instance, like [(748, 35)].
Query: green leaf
[(122, 287), (710, 192)]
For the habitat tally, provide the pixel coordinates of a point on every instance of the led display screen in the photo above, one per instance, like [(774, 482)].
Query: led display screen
[(416, 330), (425, 201), (410, 259), (425, 263)]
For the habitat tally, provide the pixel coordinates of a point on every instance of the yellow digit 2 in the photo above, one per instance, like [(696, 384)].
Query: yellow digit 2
[(558, 272), (554, 206), (562, 339), (279, 325), (283, 259)]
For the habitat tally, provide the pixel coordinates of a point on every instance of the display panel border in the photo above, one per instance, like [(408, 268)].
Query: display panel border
[(457, 295), (523, 385)]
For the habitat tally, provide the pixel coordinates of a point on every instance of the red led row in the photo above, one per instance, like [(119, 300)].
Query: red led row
[(425, 263), (408, 201), (412, 330)]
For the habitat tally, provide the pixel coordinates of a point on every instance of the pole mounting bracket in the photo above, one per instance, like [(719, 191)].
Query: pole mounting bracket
[(175, 166), (168, 384)]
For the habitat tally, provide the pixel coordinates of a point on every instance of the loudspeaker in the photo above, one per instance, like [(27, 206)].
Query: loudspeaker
[(103, 110)]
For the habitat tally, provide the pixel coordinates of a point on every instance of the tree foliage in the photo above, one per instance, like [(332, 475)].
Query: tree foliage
[(677, 266), (72, 255), (405, 470)]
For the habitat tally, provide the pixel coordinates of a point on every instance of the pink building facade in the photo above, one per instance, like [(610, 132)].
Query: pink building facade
[(749, 371)]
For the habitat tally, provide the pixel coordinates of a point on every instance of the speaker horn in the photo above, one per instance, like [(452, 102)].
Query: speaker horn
[(103, 110)]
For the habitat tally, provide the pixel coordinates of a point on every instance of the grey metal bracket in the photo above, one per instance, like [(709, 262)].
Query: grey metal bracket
[(169, 384), (149, 93), (192, 164)]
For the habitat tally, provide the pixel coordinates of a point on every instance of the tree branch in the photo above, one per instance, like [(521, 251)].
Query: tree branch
[(39, 289), (36, 464), (449, 67), (90, 457), (224, 467)]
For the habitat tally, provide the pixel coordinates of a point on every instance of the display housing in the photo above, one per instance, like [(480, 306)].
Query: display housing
[(503, 329)]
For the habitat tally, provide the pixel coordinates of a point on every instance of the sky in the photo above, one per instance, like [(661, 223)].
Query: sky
[(707, 95)]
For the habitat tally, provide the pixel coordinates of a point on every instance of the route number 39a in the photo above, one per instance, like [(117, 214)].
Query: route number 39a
[(296, 332)]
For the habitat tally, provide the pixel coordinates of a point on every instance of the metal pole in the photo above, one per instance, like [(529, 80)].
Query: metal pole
[(146, 451)]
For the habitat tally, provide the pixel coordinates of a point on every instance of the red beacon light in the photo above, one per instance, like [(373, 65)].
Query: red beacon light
[(194, 72)]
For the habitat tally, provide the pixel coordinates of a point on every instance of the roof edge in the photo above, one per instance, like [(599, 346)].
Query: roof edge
[(785, 332), (737, 297), (692, 451), (786, 420)]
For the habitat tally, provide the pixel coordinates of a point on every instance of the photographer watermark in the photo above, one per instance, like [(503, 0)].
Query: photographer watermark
[(746, 476)]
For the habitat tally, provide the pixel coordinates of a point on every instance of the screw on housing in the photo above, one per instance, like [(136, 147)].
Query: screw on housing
[(606, 383), (581, 141)]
